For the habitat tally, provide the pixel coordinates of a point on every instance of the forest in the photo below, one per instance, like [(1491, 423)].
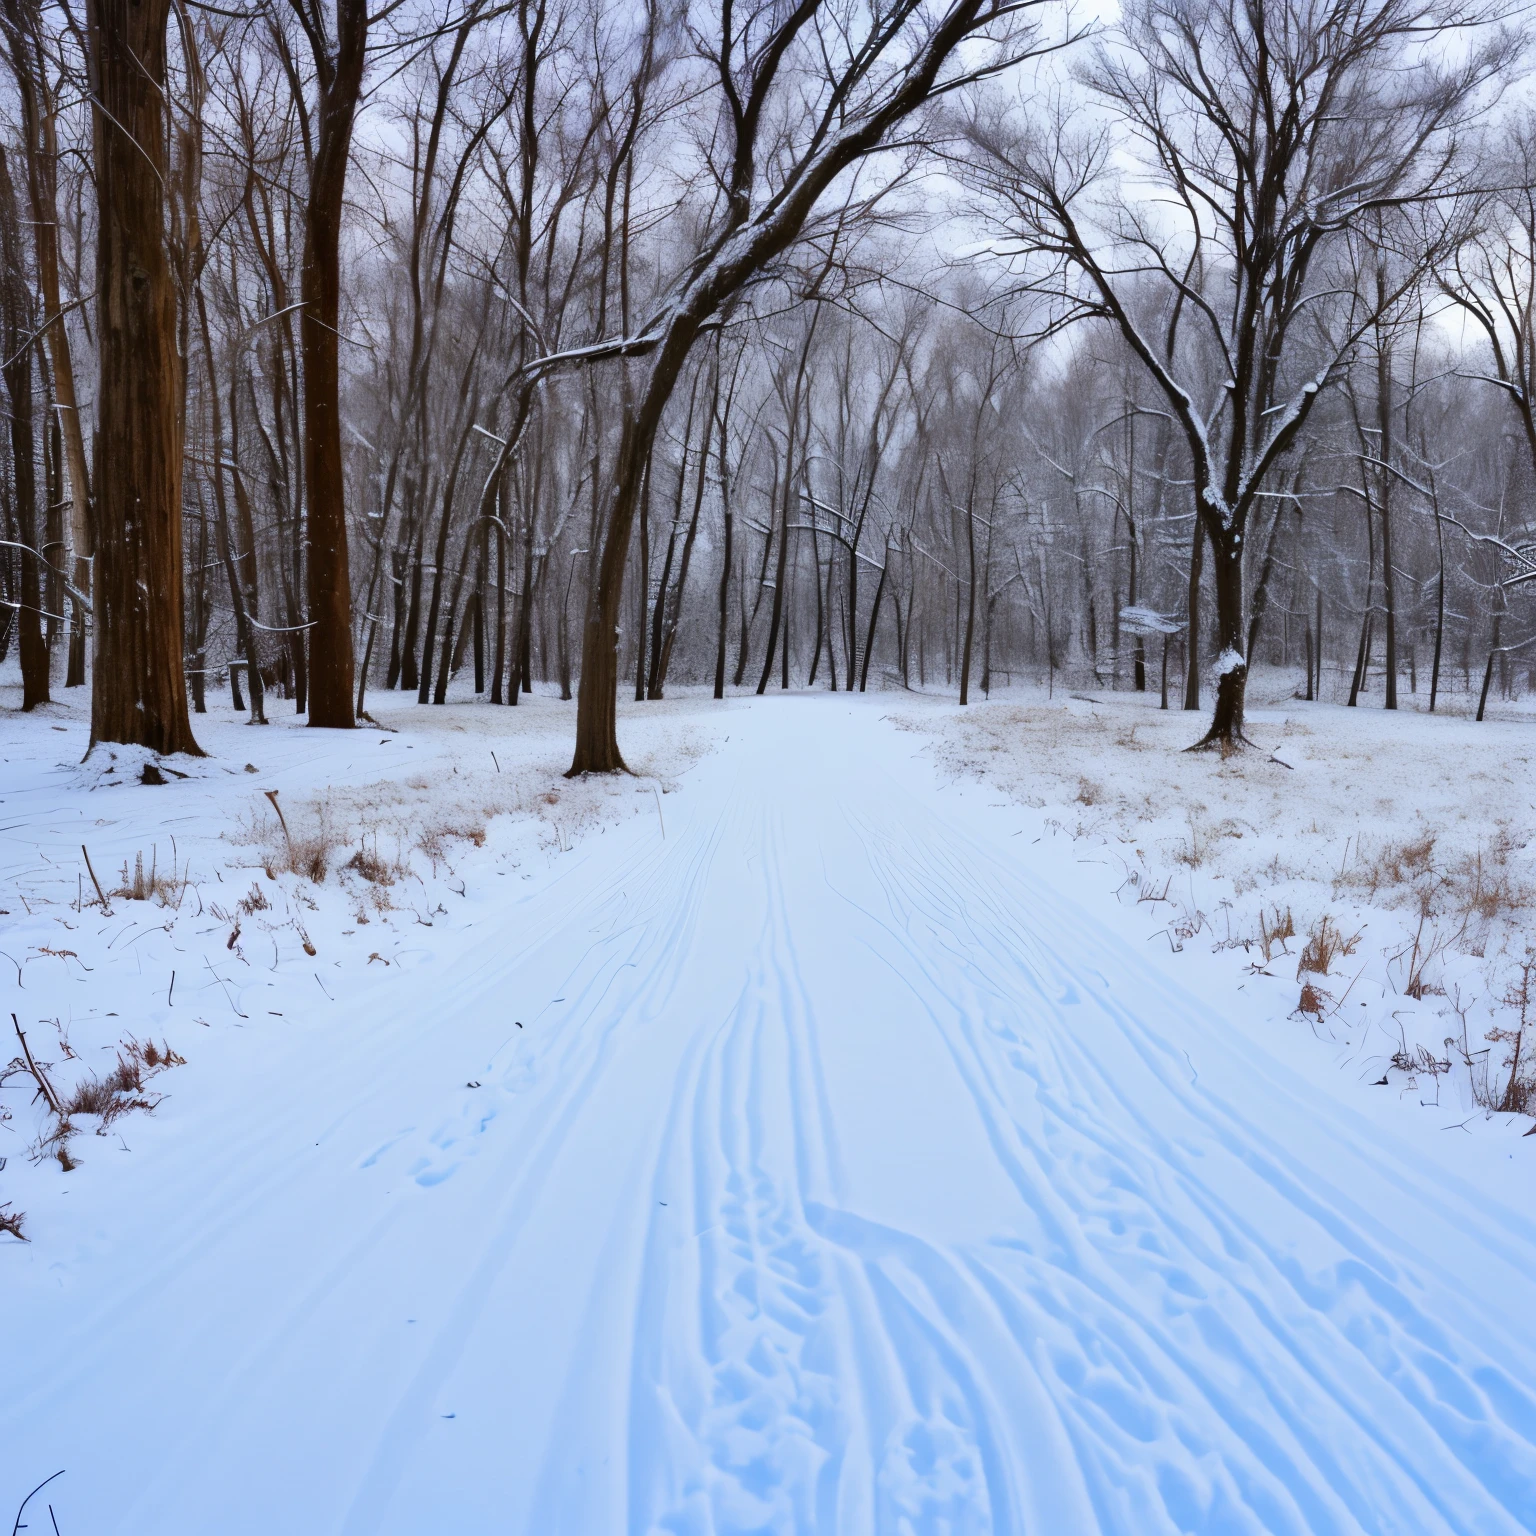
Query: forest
[(768, 767), (612, 347)]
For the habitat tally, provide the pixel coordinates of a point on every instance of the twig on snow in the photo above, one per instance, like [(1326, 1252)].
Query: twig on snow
[(43, 1084)]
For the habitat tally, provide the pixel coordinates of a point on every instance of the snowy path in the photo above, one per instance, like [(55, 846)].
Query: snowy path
[(843, 1178)]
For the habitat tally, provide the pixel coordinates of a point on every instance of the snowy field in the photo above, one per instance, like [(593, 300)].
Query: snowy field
[(872, 1118)]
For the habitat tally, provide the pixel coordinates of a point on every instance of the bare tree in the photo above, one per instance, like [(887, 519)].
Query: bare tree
[(138, 693), (804, 95), (1263, 139), (337, 53)]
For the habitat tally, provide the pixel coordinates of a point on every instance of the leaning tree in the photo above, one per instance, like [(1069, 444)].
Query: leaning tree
[(803, 95)]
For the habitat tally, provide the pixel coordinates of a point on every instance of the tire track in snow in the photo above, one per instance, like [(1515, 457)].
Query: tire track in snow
[(625, 983), (1437, 1453), (792, 1373)]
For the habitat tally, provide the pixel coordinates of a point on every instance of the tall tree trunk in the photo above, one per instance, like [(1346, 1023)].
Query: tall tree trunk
[(1384, 484), (245, 633), (1192, 617), (597, 742), (821, 613), (522, 663), (970, 607), (410, 675), (675, 606), (1261, 587), (339, 69), (780, 581), (16, 337), (643, 594), (725, 565), (874, 618), (499, 649), (1434, 676), (440, 559), (1226, 731), (1318, 625), (39, 113), (139, 691)]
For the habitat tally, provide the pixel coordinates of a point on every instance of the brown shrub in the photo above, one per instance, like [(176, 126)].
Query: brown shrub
[(122, 1088), (1313, 1000), (371, 867), (10, 1221), (1325, 944)]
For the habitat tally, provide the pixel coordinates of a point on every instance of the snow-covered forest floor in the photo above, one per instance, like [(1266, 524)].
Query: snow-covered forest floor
[(874, 1116), (1369, 877), (220, 914)]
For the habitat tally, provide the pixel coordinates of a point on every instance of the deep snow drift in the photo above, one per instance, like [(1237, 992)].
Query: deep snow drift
[(809, 1149)]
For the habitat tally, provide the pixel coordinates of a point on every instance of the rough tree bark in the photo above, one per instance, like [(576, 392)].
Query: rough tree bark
[(15, 334), (339, 75), (138, 693)]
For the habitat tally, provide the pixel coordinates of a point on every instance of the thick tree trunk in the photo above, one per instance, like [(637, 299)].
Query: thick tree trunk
[(597, 741), (139, 692), (331, 681), (1226, 731)]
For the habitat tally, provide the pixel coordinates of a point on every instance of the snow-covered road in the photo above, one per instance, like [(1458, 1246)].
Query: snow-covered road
[(817, 1167)]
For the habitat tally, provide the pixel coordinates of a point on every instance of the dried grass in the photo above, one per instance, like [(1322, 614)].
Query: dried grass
[(434, 839), (1519, 1096), (121, 1089), (367, 863), (153, 884), (10, 1222), (1325, 944), (1274, 931)]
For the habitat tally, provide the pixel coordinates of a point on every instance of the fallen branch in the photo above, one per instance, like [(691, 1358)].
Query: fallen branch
[(44, 1086), (105, 905)]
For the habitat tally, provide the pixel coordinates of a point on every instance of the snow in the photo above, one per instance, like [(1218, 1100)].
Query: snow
[(817, 1146)]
